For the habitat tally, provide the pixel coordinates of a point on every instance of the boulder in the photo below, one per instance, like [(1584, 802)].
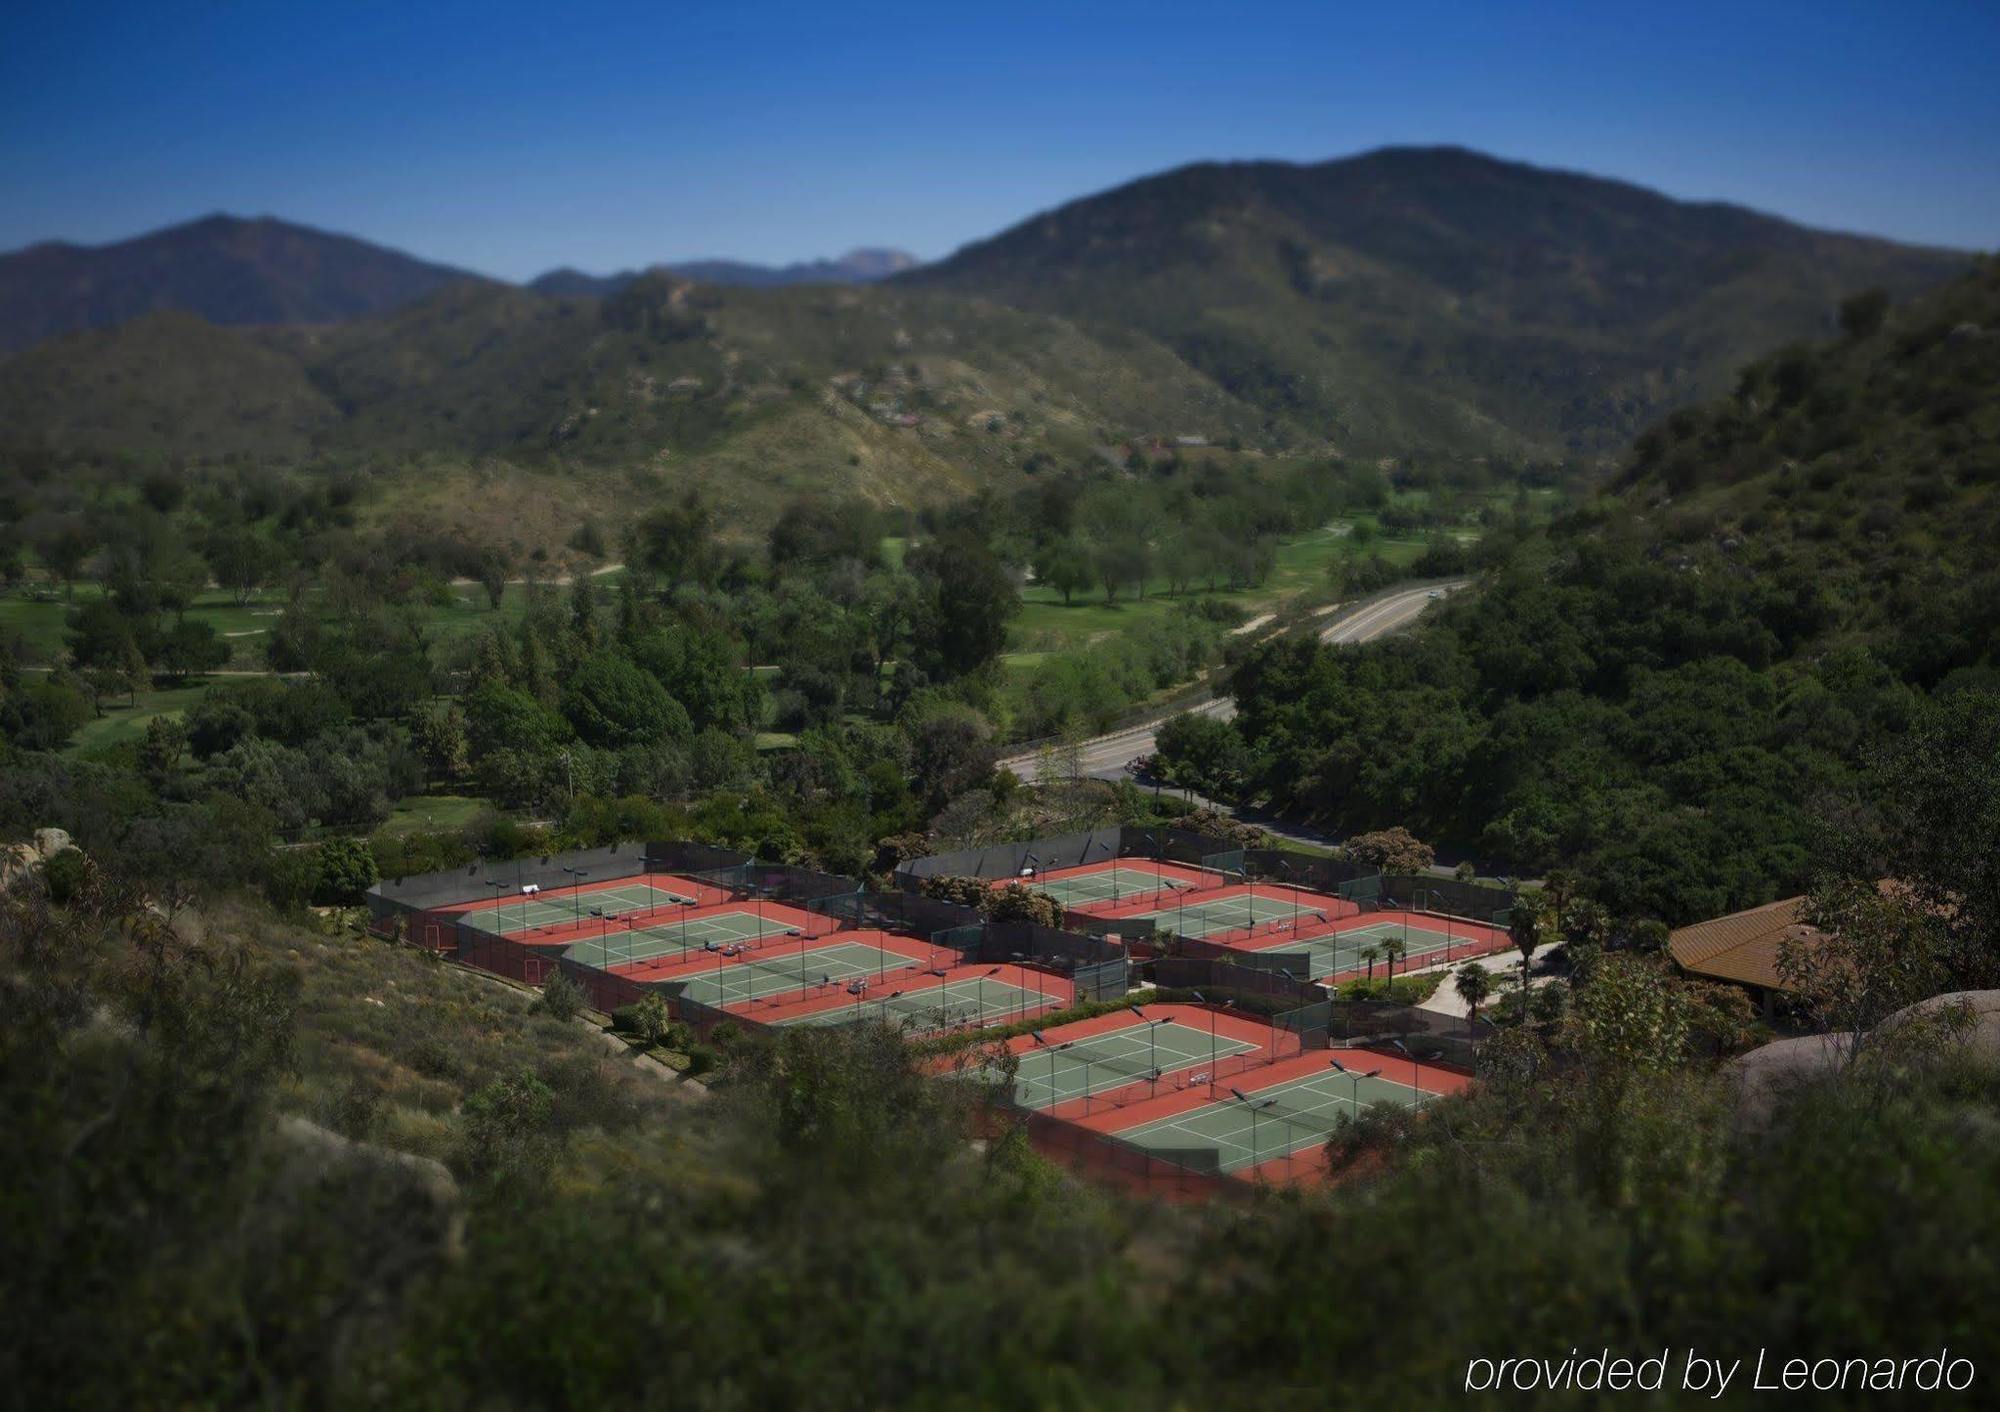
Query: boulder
[(1764, 1073)]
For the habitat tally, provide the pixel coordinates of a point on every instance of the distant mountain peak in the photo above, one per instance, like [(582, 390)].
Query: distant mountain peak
[(863, 265), (224, 268)]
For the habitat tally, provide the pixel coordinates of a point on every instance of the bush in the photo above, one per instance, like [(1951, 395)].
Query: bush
[(346, 870), (65, 876), (562, 998)]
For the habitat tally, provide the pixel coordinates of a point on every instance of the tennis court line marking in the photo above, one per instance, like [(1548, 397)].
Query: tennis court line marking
[(1331, 1104)]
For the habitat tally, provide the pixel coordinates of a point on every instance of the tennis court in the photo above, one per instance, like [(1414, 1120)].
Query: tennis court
[(683, 936), (541, 911), (785, 970), (1276, 1122), (1333, 955), (1110, 885), (938, 1007), (1227, 914), (1052, 1074)]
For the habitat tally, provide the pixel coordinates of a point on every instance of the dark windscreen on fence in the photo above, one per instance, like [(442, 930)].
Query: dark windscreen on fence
[(482, 880), (1425, 1035), (1446, 896)]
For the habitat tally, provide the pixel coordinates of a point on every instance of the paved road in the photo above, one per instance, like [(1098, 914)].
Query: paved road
[(1106, 756), (1385, 615)]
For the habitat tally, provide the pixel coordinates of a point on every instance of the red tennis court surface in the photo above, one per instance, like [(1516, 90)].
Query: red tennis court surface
[(1270, 1126), (528, 916), (1118, 883), (1129, 1056), (928, 1002)]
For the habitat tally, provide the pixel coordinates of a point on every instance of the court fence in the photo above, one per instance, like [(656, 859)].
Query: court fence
[(1099, 970), (1479, 902), (1306, 871), (1194, 1174), (1074, 850), (1284, 1000), (483, 879), (1449, 1041), (907, 913)]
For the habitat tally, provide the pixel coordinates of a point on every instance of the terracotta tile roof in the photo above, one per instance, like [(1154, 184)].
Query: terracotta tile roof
[(1742, 947)]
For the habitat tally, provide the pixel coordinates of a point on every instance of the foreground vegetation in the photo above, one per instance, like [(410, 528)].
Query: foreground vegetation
[(820, 1232)]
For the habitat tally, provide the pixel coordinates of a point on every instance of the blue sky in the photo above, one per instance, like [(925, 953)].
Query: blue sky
[(512, 138)]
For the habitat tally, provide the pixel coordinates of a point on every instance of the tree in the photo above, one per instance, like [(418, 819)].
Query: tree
[(613, 702), (1524, 929), (1065, 566), (1201, 751), (1871, 953), (162, 749), (63, 551), (677, 542), (951, 749), (583, 612), (493, 569), (1474, 985), (1630, 1019), (1121, 560), (45, 715), (346, 870), (1393, 850), (189, 648), (500, 717), (438, 730), (969, 600), (1371, 953), (242, 561)]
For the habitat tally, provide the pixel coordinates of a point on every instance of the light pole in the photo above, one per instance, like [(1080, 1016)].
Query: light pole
[(1038, 1038), (1256, 1152), (603, 943), (686, 907), (576, 893), (1404, 1049), (1355, 1079), (1211, 1039), (499, 905), (1152, 1041)]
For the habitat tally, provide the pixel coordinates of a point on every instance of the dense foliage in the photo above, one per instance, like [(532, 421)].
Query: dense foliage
[(1665, 685)]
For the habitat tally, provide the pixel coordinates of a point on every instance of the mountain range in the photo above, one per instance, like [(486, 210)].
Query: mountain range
[(1406, 303), (231, 270), (862, 266)]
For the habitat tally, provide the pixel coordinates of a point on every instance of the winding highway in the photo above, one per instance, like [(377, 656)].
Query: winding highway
[(1107, 756)]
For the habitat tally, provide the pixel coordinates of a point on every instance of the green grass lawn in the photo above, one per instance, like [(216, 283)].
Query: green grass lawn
[(122, 724), (429, 813), (1047, 624)]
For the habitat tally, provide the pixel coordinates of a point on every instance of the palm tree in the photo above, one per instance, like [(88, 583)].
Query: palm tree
[(1524, 929), (1371, 953), (1474, 983), (1396, 950)]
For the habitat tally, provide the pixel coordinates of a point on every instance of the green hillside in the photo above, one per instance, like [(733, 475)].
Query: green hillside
[(908, 397), (1436, 298), (1672, 687)]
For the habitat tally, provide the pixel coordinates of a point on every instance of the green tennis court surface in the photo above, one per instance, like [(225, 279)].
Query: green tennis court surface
[(1108, 886), (1080, 1067), (686, 936), (937, 1007), (556, 909), (1277, 1121), (784, 969), (1224, 914), (1331, 955)]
